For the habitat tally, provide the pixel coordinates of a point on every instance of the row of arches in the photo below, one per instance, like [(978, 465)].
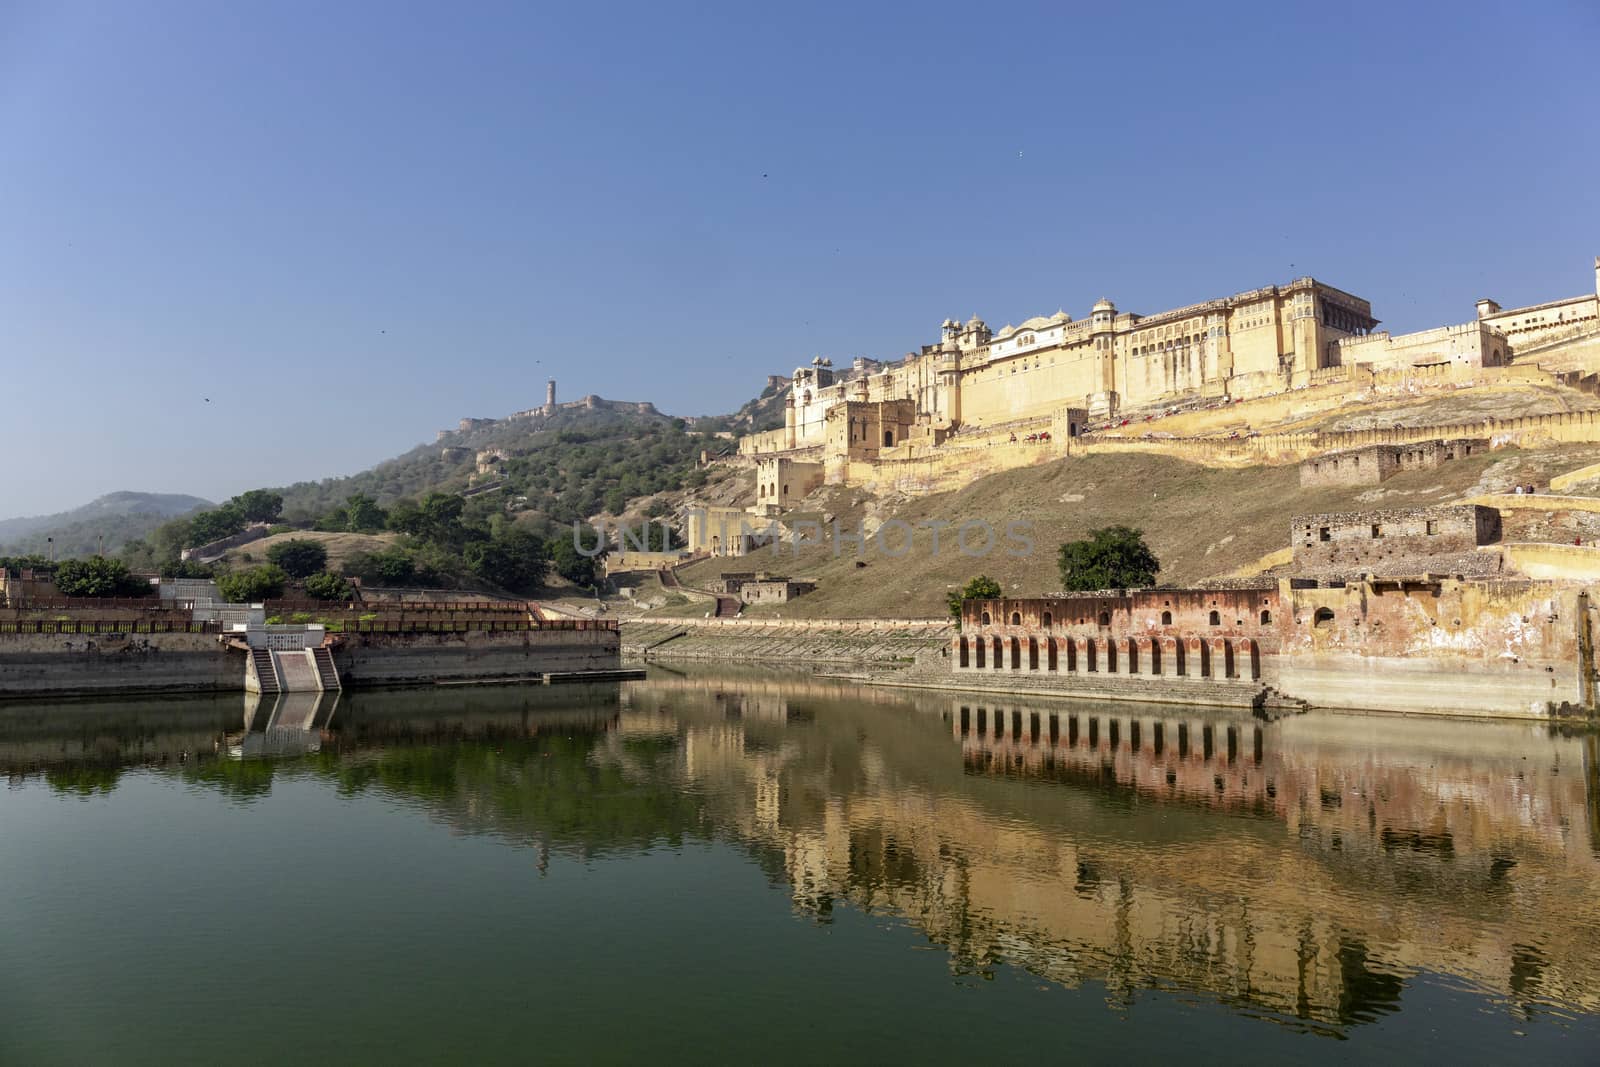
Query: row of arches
[(1034, 728), (1213, 618), (1178, 657)]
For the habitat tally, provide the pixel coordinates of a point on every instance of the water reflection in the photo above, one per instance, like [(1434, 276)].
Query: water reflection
[(1305, 870)]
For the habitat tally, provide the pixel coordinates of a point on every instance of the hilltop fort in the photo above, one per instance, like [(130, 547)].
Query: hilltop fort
[(1193, 382)]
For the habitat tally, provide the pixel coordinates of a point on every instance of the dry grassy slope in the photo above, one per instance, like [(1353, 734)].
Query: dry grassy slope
[(340, 546), (1201, 522)]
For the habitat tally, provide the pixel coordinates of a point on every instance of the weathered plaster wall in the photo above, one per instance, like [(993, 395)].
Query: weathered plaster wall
[(1506, 648)]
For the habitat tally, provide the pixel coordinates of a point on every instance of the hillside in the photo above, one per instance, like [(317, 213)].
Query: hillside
[(566, 466), (1202, 523), (115, 519)]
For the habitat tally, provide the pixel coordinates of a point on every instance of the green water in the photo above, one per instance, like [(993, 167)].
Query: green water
[(702, 867)]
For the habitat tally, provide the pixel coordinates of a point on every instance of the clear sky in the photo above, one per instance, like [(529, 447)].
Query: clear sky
[(350, 224)]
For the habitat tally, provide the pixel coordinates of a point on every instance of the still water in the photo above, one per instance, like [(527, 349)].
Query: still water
[(707, 866)]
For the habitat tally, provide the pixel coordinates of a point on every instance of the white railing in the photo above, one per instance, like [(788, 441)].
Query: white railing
[(289, 638)]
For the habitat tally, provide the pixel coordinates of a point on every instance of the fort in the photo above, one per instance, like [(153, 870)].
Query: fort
[(932, 420)]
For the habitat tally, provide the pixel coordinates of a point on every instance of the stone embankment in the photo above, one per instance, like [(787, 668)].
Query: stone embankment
[(885, 643)]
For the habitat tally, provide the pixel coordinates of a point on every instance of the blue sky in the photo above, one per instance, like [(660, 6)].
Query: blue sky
[(351, 224)]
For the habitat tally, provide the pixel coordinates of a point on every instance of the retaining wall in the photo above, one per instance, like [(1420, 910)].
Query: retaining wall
[(418, 659), (85, 664)]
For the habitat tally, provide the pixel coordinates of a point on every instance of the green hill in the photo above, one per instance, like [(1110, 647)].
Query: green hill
[(112, 520)]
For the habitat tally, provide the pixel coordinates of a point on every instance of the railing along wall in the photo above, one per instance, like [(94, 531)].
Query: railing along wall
[(109, 626)]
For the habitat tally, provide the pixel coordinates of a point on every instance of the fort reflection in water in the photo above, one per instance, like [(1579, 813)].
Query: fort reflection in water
[(1305, 870)]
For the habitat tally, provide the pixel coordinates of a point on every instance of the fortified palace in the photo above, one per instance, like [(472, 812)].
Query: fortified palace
[(1059, 378)]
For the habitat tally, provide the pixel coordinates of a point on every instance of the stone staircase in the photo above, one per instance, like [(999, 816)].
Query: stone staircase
[(266, 671), (327, 673)]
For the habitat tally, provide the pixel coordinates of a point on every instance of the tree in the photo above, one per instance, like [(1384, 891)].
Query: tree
[(982, 587), (391, 567), (571, 564), (257, 583), (441, 516), (362, 514), (325, 586), (258, 505), (299, 556), (97, 576), (514, 561), (185, 568), (1114, 557), (208, 526)]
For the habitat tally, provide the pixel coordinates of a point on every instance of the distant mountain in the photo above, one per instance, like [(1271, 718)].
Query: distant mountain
[(115, 518)]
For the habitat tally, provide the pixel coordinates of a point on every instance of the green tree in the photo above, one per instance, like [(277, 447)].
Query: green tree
[(1114, 557), (362, 514), (325, 586), (571, 564), (392, 566), (97, 576), (258, 505), (257, 583), (208, 526), (299, 556), (514, 561), (982, 587), (185, 568)]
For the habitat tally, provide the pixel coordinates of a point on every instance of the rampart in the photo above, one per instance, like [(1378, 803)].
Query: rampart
[(214, 549)]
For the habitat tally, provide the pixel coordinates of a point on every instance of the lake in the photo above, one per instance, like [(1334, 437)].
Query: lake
[(787, 869)]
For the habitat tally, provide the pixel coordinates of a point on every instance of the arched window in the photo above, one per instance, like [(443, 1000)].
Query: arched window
[(984, 618), (1166, 618), (1045, 620), (1216, 619), (1266, 616), (888, 439), (1016, 618), (1322, 618), (963, 653), (1105, 618)]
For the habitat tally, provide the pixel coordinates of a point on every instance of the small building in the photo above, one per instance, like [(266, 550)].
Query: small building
[(783, 482), (772, 589), (1375, 463), (731, 581), (1395, 541), (726, 531), (30, 584)]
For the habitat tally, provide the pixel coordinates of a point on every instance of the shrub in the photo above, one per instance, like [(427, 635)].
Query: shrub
[(97, 576), (299, 557), (325, 586), (258, 583), (982, 587)]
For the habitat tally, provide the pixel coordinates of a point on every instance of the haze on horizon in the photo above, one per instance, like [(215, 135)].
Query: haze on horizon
[(349, 225)]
